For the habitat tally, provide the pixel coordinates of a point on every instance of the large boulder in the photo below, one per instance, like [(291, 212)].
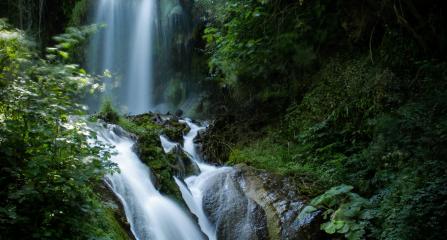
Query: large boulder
[(282, 203), (245, 203), (234, 214)]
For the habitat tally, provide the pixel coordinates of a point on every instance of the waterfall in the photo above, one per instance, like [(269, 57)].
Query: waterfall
[(139, 96), (150, 214), (147, 46), (216, 196), (125, 48), (194, 186)]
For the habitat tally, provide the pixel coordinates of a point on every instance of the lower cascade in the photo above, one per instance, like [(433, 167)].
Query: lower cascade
[(221, 202), (150, 214), (215, 197), (193, 187)]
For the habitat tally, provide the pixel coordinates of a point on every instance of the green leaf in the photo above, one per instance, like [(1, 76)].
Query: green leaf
[(332, 226), (327, 197), (306, 211), (63, 54)]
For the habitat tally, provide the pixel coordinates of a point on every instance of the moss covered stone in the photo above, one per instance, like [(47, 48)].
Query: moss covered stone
[(147, 128), (114, 218)]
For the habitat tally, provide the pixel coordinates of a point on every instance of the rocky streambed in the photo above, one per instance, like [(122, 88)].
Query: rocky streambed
[(240, 202)]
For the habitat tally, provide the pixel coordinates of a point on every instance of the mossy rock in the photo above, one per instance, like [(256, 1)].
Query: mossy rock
[(183, 164), (115, 222), (162, 165), (147, 128), (175, 130)]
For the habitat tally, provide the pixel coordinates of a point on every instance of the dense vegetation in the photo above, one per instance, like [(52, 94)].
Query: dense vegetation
[(49, 171), (337, 92), (42, 19)]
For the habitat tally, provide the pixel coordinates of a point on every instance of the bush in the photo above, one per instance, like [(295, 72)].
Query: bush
[(48, 169), (108, 113), (347, 212)]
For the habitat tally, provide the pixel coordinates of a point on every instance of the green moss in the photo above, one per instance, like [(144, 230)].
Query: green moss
[(131, 127), (151, 152), (268, 154), (175, 130), (114, 229)]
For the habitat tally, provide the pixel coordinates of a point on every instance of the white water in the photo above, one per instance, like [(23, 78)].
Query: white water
[(192, 188), (125, 47), (193, 191), (167, 145), (150, 214), (140, 76)]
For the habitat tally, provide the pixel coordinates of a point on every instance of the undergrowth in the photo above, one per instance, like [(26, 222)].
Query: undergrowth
[(358, 126)]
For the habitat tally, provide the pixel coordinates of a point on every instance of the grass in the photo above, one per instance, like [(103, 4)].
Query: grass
[(283, 159)]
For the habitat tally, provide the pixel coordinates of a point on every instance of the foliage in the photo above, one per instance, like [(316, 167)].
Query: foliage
[(108, 113), (372, 134), (347, 212), (47, 167), (42, 19), (79, 12), (270, 50), (253, 46), (365, 108), (271, 154), (69, 45)]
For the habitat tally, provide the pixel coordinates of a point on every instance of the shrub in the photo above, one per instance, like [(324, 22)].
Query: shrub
[(48, 169)]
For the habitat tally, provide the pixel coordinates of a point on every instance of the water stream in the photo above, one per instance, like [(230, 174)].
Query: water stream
[(150, 214), (193, 187)]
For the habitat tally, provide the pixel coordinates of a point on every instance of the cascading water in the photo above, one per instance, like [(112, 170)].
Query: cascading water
[(151, 215), (147, 46), (193, 187), (216, 196), (125, 47)]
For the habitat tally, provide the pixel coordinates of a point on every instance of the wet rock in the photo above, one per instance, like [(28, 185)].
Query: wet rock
[(281, 204), (184, 166), (178, 113), (168, 124), (119, 131), (235, 215), (147, 128), (175, 130), (116, 207), (158, 120), (245, 203)]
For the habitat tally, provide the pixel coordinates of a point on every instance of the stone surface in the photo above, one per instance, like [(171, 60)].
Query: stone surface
[(235, 215), (245, 203), (281, 203)]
